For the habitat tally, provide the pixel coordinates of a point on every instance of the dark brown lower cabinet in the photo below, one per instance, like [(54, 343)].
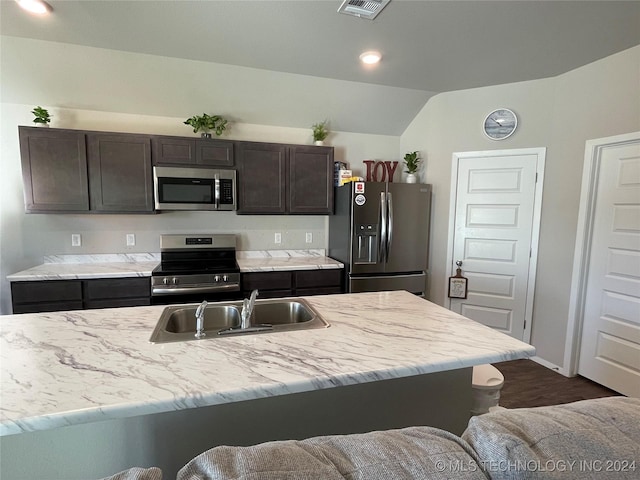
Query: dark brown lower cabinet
[(117, 292), (59, 295), (46, 296), (292, 283)]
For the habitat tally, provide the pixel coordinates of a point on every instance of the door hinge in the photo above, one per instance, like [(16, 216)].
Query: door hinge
[(525, 324), (536, 177), (530, 252)]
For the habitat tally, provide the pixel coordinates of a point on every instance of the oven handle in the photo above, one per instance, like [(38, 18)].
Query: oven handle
[(181, 290)]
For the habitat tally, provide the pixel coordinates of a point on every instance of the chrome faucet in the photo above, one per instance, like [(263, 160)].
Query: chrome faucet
[(247, 310), (200, 320)]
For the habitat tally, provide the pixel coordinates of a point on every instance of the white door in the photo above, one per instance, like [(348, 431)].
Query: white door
[(495, 233), (610, 344)]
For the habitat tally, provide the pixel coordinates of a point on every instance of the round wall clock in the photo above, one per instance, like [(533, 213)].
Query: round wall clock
[(500, 124)]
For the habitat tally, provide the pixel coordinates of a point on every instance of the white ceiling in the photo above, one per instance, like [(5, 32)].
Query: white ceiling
[(431, 46)]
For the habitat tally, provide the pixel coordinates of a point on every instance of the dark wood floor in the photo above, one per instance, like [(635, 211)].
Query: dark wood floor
[(529, 384)]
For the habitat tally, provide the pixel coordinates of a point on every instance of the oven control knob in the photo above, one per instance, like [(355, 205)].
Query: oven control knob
[(165, 281), (174, 280), (216, 278), (225, 278)]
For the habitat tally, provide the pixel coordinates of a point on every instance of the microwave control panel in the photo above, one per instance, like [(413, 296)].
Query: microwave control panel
[(226, 191)]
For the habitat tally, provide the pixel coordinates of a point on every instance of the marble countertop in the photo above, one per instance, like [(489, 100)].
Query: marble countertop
[(66, 368), (280, 260), (80, 267)]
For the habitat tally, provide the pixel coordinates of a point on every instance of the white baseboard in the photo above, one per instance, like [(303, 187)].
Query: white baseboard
[(550, 366)]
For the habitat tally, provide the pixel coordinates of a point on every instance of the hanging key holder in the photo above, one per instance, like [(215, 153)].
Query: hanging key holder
[(458, 283)]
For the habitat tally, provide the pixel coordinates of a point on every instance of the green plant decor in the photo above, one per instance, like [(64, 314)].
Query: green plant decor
[(411, 160), (320, 131), (42, 115), (206, 123)]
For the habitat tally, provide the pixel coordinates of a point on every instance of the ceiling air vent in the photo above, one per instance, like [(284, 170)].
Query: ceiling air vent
[(368, 9)]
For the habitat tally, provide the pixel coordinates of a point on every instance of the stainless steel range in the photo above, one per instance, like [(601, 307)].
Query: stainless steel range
[(195, 268)]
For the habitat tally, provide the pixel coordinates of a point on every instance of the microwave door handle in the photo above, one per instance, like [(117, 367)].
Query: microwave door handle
[(382, 244), (217, 190), (389, 225)]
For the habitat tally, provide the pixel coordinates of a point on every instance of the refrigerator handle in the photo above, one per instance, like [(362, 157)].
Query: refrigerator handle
[(389, 225), (382, 248)]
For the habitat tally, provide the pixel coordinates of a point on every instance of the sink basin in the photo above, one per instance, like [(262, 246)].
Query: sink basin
[(178, 322)]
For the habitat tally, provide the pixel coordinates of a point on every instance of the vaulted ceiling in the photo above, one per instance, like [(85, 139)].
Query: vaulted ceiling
[(428, 46)]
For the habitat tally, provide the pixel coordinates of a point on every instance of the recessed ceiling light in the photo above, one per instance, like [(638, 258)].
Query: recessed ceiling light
[(370, 57), (39, 7)]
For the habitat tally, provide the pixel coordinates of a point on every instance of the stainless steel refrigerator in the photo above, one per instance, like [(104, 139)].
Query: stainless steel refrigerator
[(380, 231)]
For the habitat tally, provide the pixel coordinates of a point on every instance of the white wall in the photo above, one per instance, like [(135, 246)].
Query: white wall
[(597, 100), (25, 238)]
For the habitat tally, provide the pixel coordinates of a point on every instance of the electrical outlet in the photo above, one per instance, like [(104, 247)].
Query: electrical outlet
[(308, 237), (131, 239), (277, 238), (76, 240)]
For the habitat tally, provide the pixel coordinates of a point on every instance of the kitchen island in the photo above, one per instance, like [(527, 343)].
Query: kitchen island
[(91, 379)]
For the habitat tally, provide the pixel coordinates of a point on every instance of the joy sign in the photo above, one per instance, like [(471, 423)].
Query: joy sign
[(380, 171)]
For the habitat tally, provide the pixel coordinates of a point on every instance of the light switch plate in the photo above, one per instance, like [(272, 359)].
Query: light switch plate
[(131, 239), (308, 237), (76, 240), (277, 238)]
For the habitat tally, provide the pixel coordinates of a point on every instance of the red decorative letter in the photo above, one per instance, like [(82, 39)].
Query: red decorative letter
[(368, 163), (391, 170), (375, 172)]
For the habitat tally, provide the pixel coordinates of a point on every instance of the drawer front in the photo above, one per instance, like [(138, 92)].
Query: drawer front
[(118, 302), (47, 307), (110, 288), (269, 294), (46, 291), (305, 292), (266, 281), (318, 278)]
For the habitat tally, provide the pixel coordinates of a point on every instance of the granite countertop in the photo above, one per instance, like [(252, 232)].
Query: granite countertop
[(67, 368), (80, 267)]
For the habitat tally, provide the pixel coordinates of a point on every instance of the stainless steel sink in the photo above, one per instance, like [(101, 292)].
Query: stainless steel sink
[(178, 322)]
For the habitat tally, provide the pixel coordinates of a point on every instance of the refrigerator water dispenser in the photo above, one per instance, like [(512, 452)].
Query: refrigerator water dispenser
[(366, 243)]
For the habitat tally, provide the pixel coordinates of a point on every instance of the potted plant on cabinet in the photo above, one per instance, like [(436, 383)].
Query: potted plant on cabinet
[(412, 161), (42, 117), (205, 123), (320, 132)]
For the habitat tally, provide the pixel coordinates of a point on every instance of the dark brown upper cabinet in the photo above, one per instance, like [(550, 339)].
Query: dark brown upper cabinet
[(194, 152), (277, 179), (54, 170), (78, 171), (262, 178), (120, 173), (310, 179)]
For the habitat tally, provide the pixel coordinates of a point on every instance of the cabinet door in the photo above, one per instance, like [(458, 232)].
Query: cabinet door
[(46, 296), (215, 153), (311, 180), (182, 151), (120, 172), (54, 169), (174, 151), (117, 292), (262, 178)]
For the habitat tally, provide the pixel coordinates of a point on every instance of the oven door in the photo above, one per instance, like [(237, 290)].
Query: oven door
[(193, 189)]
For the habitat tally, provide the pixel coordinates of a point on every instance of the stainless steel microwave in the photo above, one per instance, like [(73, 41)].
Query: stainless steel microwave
[(177, 188)]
